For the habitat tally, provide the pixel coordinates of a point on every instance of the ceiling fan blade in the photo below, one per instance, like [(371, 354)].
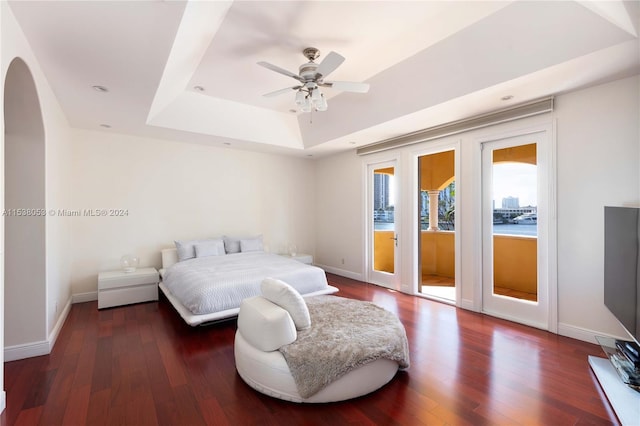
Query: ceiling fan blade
[(329, 64), (347, 86), (281, 91), (280, 70)]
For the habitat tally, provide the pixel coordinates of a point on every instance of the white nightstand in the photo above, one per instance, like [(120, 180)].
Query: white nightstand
[(300, 257), (116, 288)]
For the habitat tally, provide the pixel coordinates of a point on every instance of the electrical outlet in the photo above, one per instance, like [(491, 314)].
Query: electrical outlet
[(343, 260), (56, 307)]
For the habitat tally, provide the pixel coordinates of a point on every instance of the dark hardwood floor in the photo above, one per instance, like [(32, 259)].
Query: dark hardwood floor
[(142, 364)]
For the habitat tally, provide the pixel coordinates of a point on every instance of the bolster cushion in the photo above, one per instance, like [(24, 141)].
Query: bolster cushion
[(287, 297), (265, 325)]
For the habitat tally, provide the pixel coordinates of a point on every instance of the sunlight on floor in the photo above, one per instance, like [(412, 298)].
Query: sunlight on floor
[(438, 287), (440, 292)]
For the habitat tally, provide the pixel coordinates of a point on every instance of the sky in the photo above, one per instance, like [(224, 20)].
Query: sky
[(515, 180)]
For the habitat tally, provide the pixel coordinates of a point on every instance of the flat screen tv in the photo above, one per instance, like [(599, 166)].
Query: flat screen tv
[(622, 266)]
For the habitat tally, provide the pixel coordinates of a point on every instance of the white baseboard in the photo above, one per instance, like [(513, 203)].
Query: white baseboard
[(27, 350), (53, 336), (341, 272), (84, 297), (583, 334), (3, 401)]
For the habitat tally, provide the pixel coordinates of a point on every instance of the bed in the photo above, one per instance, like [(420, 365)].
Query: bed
[(210, 289)]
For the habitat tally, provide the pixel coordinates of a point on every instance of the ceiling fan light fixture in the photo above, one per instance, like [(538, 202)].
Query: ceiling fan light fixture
[(306, 106), (316, 95), (322, 105), (299, 98)]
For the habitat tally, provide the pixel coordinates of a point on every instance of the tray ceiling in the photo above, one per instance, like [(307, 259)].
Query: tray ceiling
[(428, 62)]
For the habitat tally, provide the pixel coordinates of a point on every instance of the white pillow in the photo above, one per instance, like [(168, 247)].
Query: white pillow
[(231, 245), (186, 249), (251, 244), (288, 298), (210, 248)]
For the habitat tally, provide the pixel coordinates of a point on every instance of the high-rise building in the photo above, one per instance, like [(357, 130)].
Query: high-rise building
[(424, 203), (380, 191), (511, 203)]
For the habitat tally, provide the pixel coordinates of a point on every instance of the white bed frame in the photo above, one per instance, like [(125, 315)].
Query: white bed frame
[(170, 257)]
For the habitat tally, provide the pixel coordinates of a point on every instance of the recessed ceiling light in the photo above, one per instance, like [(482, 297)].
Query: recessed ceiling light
[(106, 126), (198, 88), (102, 89), (507, 97)]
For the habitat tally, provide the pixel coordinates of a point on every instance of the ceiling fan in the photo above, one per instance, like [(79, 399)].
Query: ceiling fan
[(311, 77)]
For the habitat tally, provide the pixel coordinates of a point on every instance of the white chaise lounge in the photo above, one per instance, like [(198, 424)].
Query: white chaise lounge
[(264, 327)]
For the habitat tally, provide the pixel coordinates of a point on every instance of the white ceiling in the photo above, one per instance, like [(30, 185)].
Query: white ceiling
[(428, 62)]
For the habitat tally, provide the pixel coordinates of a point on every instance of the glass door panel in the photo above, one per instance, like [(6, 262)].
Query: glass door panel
[(515, 222), (384, 240), (513, 209), (383, 229), (436, 242)]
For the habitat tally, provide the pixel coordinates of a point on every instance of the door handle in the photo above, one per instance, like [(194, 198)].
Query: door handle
[(395, 238)]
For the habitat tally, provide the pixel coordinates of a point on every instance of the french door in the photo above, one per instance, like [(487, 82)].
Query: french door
[(516, 220), (383, 220), (437, 237)]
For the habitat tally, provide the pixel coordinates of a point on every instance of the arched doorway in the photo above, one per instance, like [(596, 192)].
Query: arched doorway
[(24, 208)]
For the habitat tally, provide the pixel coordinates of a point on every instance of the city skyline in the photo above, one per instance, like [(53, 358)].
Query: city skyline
[(512, 183), (515, 180)]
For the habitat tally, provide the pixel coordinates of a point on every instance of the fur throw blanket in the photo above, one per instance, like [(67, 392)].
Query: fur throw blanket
[(344, 335)]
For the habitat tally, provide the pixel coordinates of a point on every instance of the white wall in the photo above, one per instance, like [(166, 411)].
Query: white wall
[(597, 155), (340, 213), (3, 396), (24, 188), (57, 189), (173, 190), (598, 147)]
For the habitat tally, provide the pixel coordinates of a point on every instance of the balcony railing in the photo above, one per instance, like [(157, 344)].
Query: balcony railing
[(515, 257)]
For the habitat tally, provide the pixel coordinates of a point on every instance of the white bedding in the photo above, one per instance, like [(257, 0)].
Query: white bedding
[(219, 283)]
